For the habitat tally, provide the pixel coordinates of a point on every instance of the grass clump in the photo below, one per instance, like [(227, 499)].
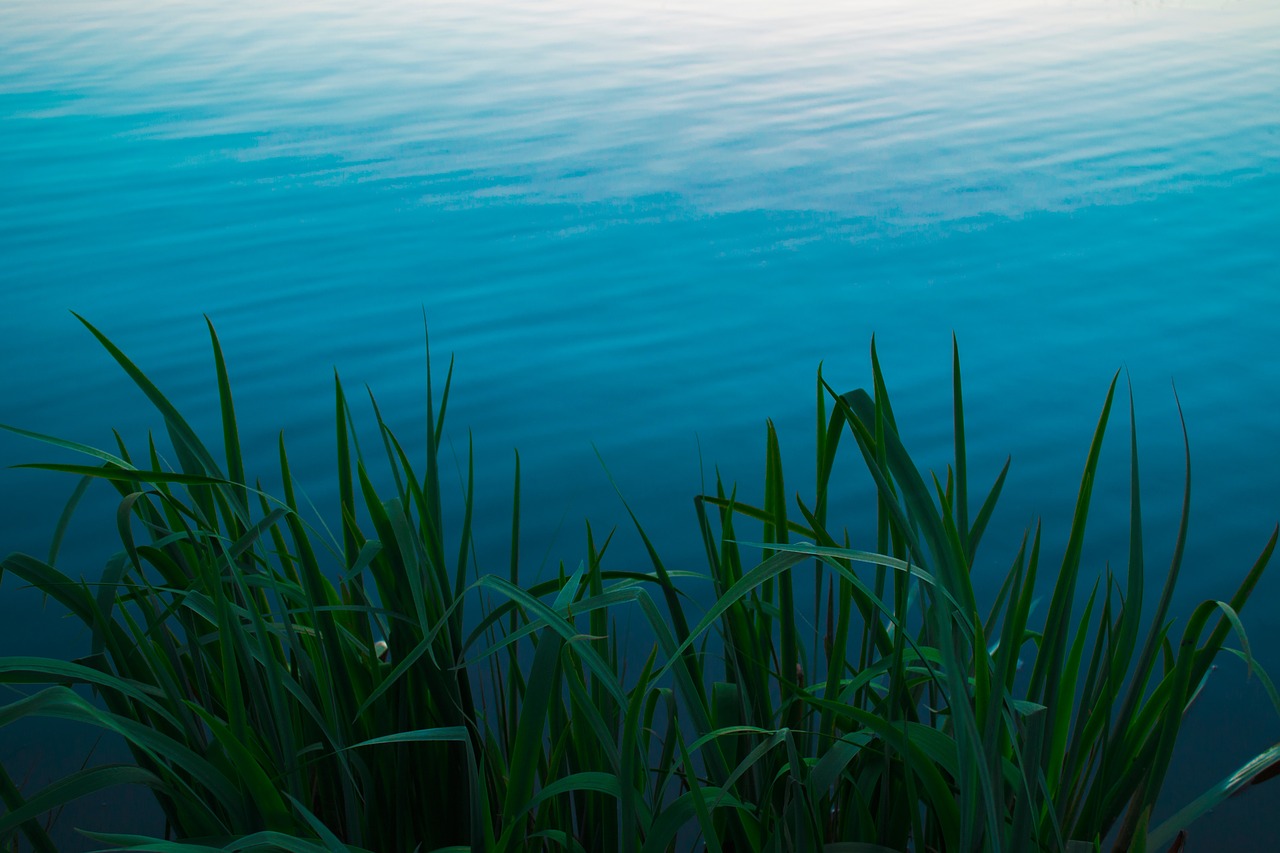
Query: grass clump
[(378, 691)]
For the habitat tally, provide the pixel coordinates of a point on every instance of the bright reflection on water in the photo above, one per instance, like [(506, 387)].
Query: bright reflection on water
[(641, 225), (912, 115)]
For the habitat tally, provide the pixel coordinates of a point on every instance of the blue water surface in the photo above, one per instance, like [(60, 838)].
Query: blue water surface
[(640, 227)]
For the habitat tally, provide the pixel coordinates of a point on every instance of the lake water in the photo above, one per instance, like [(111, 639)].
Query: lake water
[(640, 226)]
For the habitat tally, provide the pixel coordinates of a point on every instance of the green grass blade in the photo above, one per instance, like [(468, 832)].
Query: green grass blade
[(1252, 771), (74, 786), (185, 438), (542, 683), (962, 467), (230, 431)]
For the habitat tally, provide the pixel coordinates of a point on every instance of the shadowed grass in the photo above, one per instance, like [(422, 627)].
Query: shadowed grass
[(286, 689)]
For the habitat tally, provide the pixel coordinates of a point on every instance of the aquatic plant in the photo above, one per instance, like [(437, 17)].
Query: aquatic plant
[(376, 690)]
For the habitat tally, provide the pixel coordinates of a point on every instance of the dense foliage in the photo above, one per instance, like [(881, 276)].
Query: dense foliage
[(280, 689)]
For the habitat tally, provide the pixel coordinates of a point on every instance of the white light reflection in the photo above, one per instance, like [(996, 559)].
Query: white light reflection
[(907, 111)]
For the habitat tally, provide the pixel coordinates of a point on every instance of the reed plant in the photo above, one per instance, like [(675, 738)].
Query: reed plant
[(283, 689)]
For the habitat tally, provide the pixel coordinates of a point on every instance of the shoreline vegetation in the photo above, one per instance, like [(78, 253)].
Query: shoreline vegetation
[(284, 689)]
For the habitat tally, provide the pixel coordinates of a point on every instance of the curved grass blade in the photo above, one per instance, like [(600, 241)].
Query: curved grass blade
[(1258, 768), (73, 787)]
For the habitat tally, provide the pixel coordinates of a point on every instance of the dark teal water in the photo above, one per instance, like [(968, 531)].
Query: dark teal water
[(641, 226)]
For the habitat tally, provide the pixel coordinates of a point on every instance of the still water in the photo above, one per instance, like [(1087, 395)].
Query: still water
[(640, 226)]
